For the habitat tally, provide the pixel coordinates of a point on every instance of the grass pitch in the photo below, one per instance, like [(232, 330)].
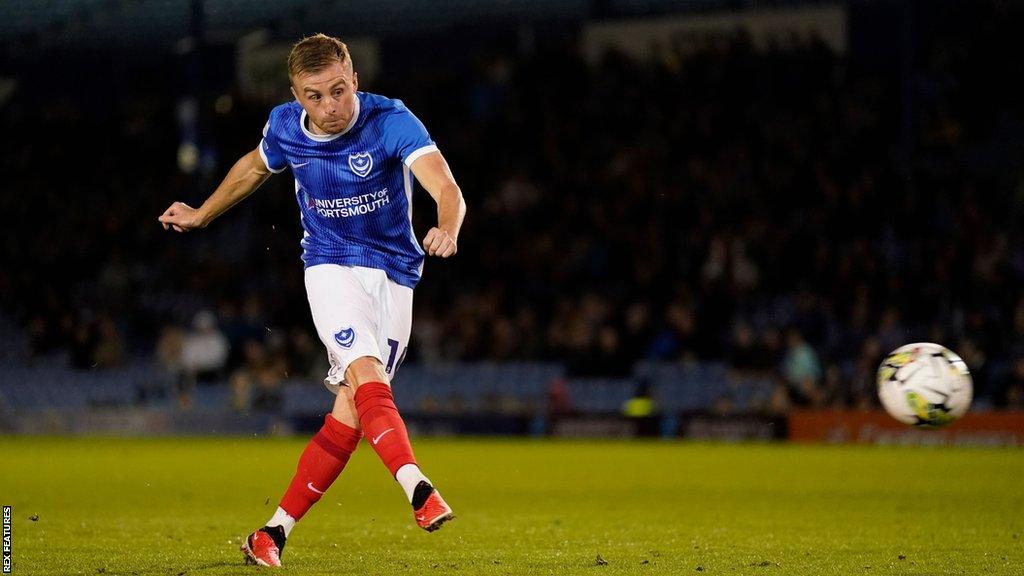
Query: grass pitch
[(181, 506)]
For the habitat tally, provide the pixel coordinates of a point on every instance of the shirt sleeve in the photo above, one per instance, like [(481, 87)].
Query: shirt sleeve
[(406, 136), (271, 151)]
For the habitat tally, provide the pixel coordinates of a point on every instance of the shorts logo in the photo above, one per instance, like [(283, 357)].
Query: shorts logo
[(361, 164), (345, 337)]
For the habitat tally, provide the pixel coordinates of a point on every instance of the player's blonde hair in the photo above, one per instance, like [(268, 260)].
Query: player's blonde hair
[(314, 53)]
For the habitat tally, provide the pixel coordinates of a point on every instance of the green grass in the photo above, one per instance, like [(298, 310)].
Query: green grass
[(180, 506)]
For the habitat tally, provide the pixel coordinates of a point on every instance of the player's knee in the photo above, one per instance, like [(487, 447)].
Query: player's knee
[(365, 369), (344, 409)]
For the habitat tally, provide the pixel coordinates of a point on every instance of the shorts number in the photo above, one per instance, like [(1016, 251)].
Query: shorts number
[(393, 345)]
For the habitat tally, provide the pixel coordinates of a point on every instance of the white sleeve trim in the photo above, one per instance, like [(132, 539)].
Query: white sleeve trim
[(419, 152), (266, 162)]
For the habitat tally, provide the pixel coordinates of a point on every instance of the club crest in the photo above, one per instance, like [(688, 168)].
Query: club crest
[(360, 164), (345, 337)]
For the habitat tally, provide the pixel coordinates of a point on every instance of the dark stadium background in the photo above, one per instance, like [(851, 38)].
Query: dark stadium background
[(737, 226)]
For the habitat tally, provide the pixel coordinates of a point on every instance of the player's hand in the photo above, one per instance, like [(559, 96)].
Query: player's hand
[(180, 217), (439, 243)]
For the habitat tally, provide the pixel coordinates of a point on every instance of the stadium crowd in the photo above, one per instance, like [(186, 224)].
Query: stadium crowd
[(783, 211)]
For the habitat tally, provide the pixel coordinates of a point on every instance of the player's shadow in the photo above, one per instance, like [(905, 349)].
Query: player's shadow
[(163, 570), (221, 564), (190, 569)]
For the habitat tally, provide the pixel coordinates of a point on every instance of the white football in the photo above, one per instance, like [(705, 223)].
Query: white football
[(924, 384)]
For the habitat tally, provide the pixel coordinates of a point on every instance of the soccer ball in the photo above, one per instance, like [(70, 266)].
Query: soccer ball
[(925, 385)]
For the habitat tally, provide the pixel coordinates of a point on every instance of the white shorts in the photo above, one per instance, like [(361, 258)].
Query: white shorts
[(358, 312)]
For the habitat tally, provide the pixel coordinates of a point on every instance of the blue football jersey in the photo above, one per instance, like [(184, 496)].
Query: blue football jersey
[(354, 188)]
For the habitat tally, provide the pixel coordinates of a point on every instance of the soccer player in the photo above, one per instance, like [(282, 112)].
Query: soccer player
[(353, 155)]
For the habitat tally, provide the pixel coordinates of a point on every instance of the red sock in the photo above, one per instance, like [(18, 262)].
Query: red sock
[(383, 426), (323, 459)]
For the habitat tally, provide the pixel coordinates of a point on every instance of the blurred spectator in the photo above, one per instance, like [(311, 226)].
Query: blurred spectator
[(1014, 395), (559, 399), (677, 339), (204, 350), (268, 396), (863, 381), (802, 370), (641, 404), (169, 351), (745, 356), (83, 344), (257, 385), (109, 350)]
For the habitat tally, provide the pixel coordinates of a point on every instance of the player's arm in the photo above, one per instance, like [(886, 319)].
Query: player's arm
[(435, 176), (242, 180)]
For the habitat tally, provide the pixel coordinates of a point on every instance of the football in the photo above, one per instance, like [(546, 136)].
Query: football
[(924, 384)]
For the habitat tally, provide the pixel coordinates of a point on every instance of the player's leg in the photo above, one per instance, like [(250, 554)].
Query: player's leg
[(386, 432), (330, 290), (382, 424), (320, 464), (378, 416)]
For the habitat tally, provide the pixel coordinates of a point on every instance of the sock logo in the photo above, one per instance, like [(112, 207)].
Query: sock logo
[(310, 486), (345, 337), (381, 435)]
